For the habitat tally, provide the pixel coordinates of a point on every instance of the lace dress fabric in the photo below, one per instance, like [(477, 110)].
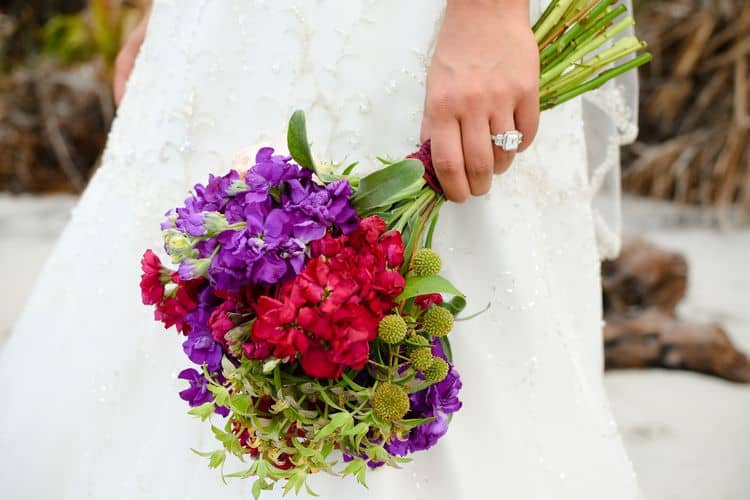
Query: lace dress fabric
[(91, 409)]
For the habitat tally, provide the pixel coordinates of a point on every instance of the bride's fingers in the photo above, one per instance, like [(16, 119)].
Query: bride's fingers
[(424, 131), (527, 118), (500, 123), (478, 155), (448, 159)]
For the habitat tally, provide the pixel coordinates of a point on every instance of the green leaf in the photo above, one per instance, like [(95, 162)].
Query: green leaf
[(349, 169), (310, 490), (217, 459), (229, 440), (361, 477), (204, 454), (243, 474), (241, 404), (384, 160), (269, 366), (360, 428), (203, 411), (338, 420), (423, 285), (446, 344), (352, 383), (324, 395), (294, 483), (260, 485), (327, 449), (353, 467), (263, 468), (417, 421), (297, 143), (388, 185), (221, 394), (303, 450)]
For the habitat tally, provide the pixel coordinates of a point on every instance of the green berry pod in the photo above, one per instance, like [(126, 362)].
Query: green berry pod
[(437, 371), (390, 402), (421, 358), (426, 262), (392, 329), (437, 321)]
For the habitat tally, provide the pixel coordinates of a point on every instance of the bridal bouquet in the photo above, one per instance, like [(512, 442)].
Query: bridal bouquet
[(310, 299)]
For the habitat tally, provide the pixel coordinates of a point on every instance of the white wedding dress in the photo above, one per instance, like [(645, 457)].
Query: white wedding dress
[(90, 404)]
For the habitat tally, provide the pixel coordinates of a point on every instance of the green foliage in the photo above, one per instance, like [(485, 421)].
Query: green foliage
[(423, 285), (97, 31), (296, 138), (398, 182)]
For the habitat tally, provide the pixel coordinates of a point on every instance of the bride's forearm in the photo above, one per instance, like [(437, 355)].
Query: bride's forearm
[(505, 6)]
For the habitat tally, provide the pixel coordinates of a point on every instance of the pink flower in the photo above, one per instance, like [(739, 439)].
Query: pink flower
[(220, 323)]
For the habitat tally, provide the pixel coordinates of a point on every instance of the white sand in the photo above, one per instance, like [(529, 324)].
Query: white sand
[(688, 434)]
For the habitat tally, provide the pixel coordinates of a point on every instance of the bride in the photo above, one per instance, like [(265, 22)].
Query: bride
[(90, 403)]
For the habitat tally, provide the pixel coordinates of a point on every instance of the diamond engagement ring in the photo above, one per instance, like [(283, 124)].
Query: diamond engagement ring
[(508, 141)]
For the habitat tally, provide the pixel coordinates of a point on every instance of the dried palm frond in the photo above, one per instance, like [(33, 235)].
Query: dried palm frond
[(694, 146)]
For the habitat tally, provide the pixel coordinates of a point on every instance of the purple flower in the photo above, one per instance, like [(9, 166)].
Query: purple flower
[(327, 206), (190, 222), (373, 464), (201, 348), (437, 401), (190, 269), (197, 393), (212, 197), (282, 208)]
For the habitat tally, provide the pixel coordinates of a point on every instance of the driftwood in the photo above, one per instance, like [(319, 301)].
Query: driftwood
[(643, 276), (641, 291), (53, 126), (694, 145), (654, 338)]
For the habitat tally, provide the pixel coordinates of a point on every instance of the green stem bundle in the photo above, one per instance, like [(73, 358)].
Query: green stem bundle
[(581, 48)]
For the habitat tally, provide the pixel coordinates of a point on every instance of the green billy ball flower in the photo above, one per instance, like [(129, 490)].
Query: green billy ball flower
[(421, 358), (426, 263), (437, 371), (390, 402), (438, 321), (392, 329)]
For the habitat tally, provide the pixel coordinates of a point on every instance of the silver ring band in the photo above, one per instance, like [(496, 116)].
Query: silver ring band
[(508, 141)]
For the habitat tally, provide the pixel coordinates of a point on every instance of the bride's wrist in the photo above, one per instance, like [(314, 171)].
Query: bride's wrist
[(505, 8)]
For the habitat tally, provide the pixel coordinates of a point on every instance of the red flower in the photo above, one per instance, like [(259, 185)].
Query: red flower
[(330, 312), (425, 301), (171, 313), (180, 301), (152, 288), (425, 156)]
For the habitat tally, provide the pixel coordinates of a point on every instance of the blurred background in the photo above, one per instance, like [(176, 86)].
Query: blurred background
[(677, 301)]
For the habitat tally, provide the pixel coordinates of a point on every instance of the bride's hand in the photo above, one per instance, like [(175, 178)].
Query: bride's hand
[(483, 80), (126, 57)]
